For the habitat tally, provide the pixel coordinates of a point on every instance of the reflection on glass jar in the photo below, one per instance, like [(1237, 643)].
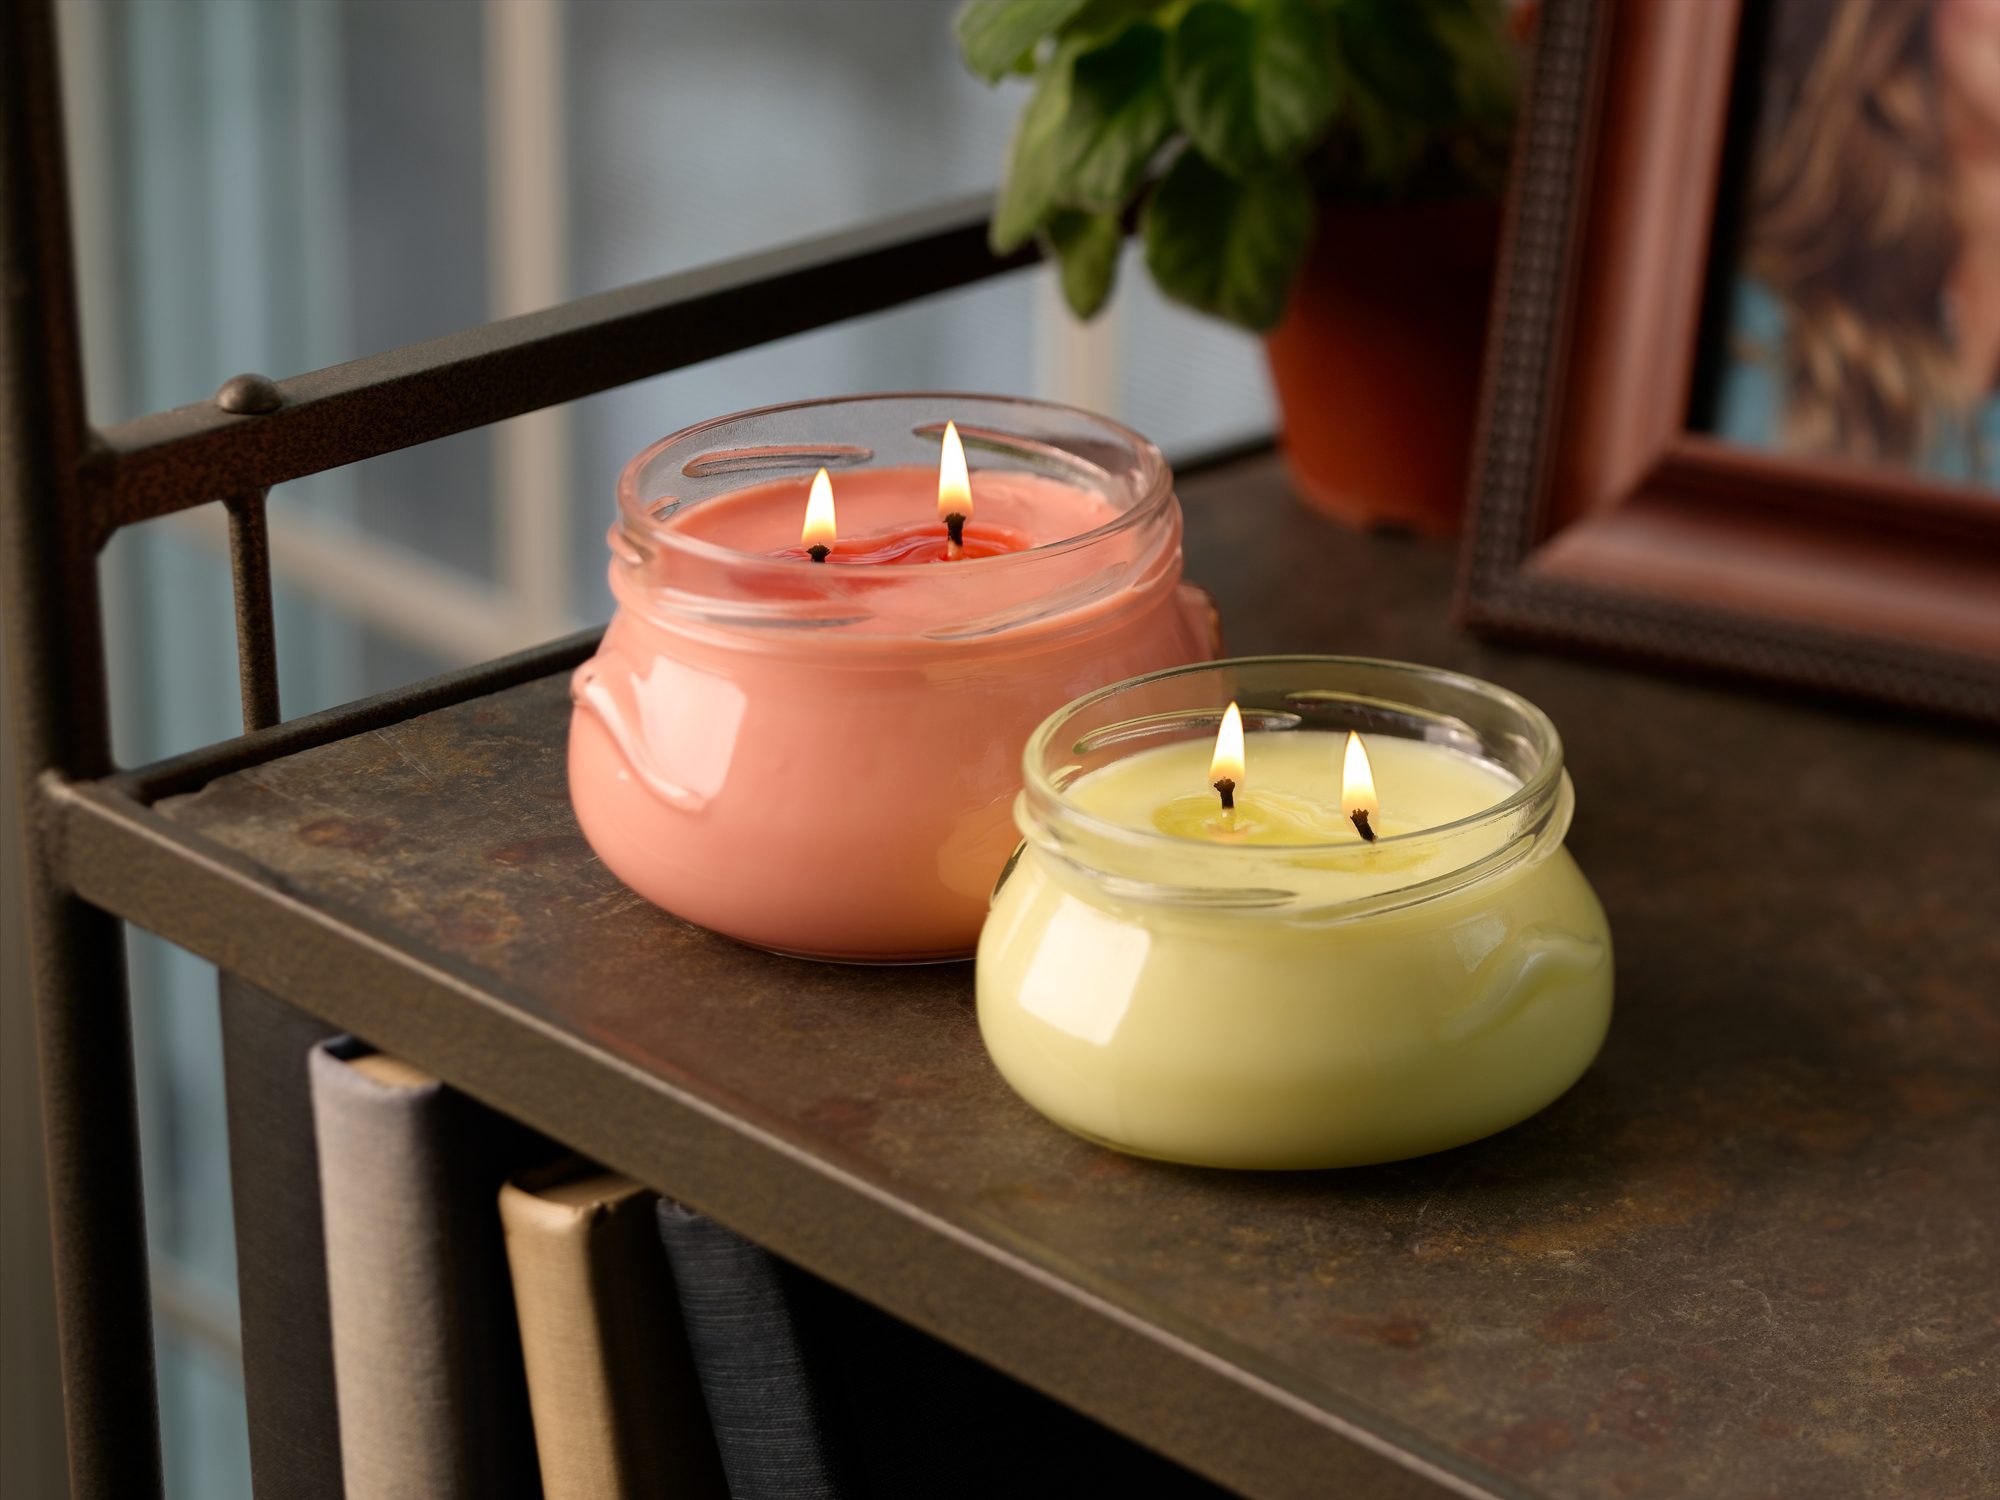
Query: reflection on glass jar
[(1263, 986), (819, 757)]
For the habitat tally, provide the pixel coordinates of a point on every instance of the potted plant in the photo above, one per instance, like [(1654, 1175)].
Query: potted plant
[(1323, 172)]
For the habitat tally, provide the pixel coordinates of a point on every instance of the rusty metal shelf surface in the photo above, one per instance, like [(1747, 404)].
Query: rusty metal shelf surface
[(1752, 1253)]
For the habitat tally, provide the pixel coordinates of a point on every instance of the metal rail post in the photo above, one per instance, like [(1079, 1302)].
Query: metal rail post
[(54, 637)]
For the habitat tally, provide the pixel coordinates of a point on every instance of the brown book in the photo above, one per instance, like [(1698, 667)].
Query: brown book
[(617, 1407)]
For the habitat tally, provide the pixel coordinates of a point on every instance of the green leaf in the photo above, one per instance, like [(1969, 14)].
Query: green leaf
[(1254, 87), (1485, 59), (993, 35), (1390, 146), (1027, 192), (1393, 52), (1119, 115), (1101, 20), (1225, 246), (1087, 245)]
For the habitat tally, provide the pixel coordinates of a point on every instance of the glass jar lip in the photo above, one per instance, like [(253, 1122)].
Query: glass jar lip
[(1155, 485), (1543, 786)]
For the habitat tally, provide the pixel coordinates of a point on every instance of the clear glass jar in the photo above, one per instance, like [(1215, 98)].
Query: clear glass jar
[(1297, 1005), (820, 760)]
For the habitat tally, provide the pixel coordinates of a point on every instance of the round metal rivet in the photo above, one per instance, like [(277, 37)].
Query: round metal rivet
[(249, 395)]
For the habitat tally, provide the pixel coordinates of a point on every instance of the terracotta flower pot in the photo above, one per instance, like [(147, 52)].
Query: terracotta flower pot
[(1377, 362)]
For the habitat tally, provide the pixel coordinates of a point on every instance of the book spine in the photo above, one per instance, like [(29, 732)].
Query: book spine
[(775, 1422), (280, 1245), (426, 1355), (617, 1405), (817, 1395)]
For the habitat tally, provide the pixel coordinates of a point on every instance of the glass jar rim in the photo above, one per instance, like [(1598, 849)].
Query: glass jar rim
[(641, 522), (1539, 789)]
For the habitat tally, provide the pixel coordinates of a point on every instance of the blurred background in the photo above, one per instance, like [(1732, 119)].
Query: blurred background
[(276, 185)]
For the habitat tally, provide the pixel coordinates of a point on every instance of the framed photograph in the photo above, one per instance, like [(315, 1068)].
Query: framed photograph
[(1742, 406)]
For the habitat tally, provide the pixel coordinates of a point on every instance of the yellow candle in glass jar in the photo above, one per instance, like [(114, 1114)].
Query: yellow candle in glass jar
[(1260, 986)]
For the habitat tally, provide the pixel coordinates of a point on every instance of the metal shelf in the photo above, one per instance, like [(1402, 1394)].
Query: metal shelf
[(1752, 1251)]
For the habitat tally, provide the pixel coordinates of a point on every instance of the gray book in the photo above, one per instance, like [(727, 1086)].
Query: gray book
[(426, 1354)]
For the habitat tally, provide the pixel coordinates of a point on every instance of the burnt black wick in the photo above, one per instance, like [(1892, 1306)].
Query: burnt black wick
[(1360, 817), (1226, 790), (954, 527), (818, 551)]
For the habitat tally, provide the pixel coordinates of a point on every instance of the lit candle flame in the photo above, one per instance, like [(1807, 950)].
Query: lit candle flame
[(1357, 788), (819, 530), (954, 483), (1225, 767)]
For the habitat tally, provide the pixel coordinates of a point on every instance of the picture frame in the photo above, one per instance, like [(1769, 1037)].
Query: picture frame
[(1597, 519)]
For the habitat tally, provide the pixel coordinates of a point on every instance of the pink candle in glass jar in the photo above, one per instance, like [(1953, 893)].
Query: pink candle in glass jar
[(821, 758)]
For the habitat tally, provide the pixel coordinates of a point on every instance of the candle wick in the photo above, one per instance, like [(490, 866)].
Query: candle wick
[(1226, 790), (818, 551), (1360, 817), (954, 527)]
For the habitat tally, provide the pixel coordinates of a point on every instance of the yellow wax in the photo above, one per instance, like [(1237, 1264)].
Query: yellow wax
[(1253, 997), (1291, 790)]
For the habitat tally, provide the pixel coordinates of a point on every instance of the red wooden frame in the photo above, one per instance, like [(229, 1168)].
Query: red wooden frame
[(1598, 519)]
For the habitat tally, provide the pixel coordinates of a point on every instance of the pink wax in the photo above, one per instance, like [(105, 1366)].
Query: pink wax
[(1020, 510), (915, 544), (822, 759)]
